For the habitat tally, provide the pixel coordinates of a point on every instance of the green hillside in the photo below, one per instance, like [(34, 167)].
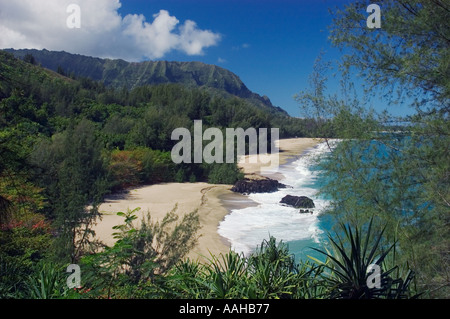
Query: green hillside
[(65, 143), (127, 131), (119, 74)]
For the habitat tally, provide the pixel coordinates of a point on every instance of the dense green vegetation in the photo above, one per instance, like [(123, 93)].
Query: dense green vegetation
[(41, 104), (398, 174), (146, 262), (66, 142), (119, 74)]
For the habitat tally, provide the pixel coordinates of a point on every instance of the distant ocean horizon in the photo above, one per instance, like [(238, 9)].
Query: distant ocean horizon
[(246, 228)]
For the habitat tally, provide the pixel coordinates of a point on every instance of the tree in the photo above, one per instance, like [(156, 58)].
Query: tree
[(29, 58), (409, 55), (224, 173), (402, 178), (60, 70), (72, 171), (142, 254)]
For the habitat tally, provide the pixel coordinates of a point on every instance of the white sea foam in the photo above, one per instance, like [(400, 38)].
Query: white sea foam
[(246, 228)]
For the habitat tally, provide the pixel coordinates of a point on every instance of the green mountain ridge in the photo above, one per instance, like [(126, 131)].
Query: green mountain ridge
[(118, 73)]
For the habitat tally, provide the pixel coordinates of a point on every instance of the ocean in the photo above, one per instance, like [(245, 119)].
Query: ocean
[(246, 228)]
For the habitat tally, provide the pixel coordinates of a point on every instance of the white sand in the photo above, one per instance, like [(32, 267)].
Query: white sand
[(161, 199), (288, 149)]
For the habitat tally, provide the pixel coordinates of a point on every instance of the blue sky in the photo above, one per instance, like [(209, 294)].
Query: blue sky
[(271, 45)]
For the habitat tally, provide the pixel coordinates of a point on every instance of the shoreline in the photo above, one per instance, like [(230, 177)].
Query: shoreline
[(289, 151), (160, 199), (212, 201)]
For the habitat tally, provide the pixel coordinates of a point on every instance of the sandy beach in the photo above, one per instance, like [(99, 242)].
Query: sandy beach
[(160, 199), (289, 149), (213, 202)]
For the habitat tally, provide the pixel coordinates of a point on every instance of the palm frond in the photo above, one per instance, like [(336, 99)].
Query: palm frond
[(351, 262)]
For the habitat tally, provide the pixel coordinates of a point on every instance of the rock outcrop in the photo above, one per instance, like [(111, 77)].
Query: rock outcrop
[(298, 202), (248, 186)]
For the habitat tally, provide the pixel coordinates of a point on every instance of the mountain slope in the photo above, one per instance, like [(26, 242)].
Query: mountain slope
[(120, 73)]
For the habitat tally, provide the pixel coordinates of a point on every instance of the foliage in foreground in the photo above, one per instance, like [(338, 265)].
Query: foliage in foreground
[(403, 62), (149, 263), (359, 268)]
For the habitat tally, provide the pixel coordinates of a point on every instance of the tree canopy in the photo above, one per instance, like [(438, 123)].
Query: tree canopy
[(397, 174)]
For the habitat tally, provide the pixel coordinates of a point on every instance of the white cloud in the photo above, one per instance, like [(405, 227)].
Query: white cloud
[(104, 32), (242, 46)]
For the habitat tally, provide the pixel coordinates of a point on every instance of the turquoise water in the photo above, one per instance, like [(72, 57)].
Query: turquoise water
[(247, 228), (303, 249), (379, 160)]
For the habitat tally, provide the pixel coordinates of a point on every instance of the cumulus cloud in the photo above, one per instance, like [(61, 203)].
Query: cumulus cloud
[(104, 32)]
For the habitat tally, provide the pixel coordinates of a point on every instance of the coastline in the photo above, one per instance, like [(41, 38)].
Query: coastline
[(213, 202), (160, 199), (289, 150)]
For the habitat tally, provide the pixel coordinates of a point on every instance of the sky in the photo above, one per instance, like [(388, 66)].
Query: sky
[(271, 45)]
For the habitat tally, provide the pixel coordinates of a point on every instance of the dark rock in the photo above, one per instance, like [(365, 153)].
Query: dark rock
[(298, 202), (247, 186)]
